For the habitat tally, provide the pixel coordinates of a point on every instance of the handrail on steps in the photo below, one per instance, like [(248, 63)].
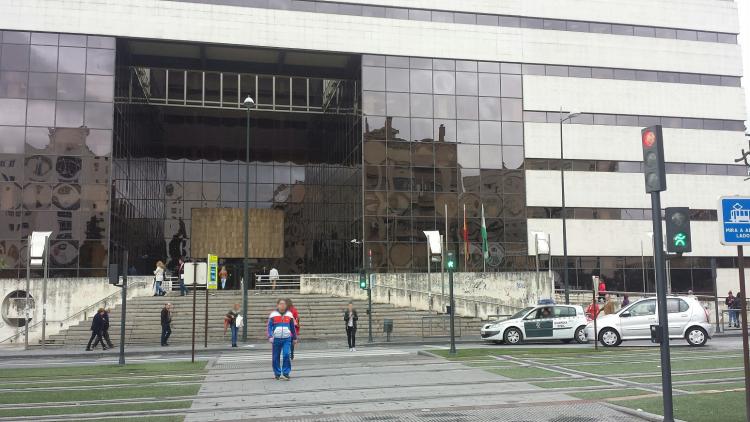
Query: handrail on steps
[(406, 290), (82, 311)]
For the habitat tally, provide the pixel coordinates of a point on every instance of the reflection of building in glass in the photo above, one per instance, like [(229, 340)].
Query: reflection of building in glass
[(352, 143), (57, 92)]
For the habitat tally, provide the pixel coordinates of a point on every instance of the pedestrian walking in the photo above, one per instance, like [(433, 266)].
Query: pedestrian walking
[(592, 310), (105, 329), (625, 301), (737, 307), (295, 314), (273, 275), (729, 301), (97, 325), (350, 322), (181, 274), (223, 276), (166, 323), (231, 320), (281, 334), (602, 290), (609, 306), (159, 279)]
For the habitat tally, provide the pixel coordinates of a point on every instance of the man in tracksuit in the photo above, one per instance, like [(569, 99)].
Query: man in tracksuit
[(281, 333)]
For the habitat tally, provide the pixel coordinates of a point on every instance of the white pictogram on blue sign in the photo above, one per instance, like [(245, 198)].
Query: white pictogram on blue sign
[(734, 219)]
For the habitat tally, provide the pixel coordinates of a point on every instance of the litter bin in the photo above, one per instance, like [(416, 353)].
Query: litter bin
[(656, 334), (387, 328)]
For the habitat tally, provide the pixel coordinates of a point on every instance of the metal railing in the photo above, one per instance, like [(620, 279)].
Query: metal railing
[(439, 326), (444, 298), (83, 312), (267, 283)]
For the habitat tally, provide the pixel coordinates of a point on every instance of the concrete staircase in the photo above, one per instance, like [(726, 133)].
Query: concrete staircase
[(321, 316)]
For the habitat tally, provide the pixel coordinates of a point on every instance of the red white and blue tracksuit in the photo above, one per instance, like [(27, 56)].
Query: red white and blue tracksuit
[(281, 329)]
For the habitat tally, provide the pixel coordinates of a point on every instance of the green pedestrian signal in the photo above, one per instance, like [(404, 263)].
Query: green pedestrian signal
[(677, 220), (450, 262), (363, 280)]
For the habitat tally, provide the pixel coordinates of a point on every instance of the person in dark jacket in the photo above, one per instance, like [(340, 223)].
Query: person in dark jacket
[(166, 322), (105, 329), (737, 308), (350, 321), (97, 325)]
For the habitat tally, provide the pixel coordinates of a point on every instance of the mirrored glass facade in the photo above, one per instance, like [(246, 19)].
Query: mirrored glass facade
[(56, 108), (442, 139)]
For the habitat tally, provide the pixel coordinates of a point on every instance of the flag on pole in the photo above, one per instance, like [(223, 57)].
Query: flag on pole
[(466, 238), (485, 244)]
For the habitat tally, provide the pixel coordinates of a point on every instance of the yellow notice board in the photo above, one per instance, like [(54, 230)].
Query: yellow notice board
[(212, 275)]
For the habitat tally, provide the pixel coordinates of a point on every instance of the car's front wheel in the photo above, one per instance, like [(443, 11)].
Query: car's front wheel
[(696, 336), (513, 336), (608, 337), (580, 335)]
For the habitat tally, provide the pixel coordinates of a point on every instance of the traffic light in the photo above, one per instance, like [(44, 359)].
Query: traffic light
[(653, 159), (363, 279), (678, 229), (450, 262), (114, 274)]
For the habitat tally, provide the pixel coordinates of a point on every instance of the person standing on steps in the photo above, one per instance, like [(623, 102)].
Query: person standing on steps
[(295, 314), (97, 325), (166, 323), (350, 320), (105, 329), (281, 334), (159, 279), (273, 275), (223, 276), (181, 274), (234, 320)]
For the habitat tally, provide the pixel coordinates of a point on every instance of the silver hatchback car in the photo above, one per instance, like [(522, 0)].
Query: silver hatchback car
[(687, 318)]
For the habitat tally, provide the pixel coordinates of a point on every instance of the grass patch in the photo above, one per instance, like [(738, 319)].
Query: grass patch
[(146, 419), (569, 383), (524, 372), (610, 394), (535, 352), (102, 370), (712, 386), (706, 407), (68, 410), (494, 363), (15, 397), (649, 367), (113, 383), (690, 377)]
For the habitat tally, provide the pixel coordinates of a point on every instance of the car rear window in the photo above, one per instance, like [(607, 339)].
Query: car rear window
[(677, 305), (564, 311)]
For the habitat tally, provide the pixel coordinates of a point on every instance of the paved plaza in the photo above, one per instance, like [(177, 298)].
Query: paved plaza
[(535, 382)]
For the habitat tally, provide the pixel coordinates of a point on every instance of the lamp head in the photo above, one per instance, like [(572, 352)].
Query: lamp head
[(573, 113), (249, 102)]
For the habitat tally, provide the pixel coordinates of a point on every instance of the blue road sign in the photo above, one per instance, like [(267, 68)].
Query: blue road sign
[(734, 219)]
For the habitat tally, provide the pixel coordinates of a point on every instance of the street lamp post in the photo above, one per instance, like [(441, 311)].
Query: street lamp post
[(248, 103), (570, 115)]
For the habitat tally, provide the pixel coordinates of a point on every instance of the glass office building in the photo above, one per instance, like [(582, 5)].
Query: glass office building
[(372, 124)]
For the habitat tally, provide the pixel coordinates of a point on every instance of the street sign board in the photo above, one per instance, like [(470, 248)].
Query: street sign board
[(213, 269), (734, 220)]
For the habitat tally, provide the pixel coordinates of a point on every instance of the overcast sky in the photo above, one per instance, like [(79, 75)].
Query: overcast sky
[(744, 6)]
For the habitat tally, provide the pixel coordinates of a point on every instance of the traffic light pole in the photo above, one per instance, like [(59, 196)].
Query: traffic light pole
[(743, 314), (369, 296), (661, 298), (453, 312), (124, 306)]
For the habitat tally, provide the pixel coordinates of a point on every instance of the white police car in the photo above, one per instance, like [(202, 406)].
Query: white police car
[(542, 322)]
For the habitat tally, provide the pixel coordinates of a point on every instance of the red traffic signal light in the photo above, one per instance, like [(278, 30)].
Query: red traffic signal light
[(653, 159)]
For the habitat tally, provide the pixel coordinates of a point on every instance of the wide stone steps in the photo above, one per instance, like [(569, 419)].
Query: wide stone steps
[(321, 317)]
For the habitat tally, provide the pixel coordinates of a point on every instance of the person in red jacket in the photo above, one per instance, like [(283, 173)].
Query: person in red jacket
[(294, 312), (602, 290), (592, 310)]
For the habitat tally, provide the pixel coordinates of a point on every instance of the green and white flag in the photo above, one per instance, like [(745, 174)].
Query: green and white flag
[(485, 245)]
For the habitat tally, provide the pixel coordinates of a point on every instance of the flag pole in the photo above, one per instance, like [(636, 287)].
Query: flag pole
[(466, 245)]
